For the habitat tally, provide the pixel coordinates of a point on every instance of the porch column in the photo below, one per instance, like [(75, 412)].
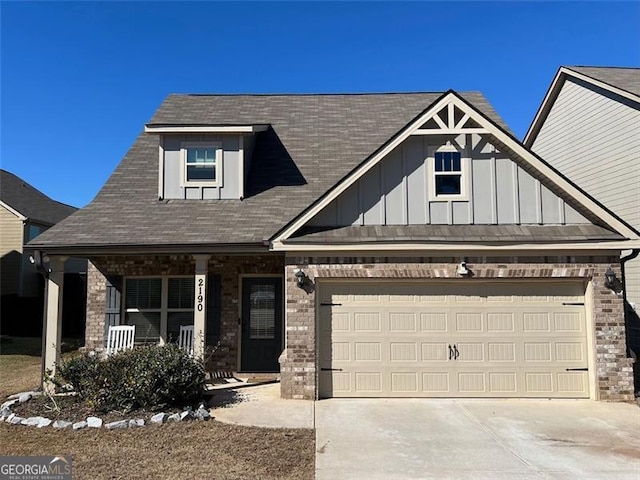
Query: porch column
[(200, 305), (52, 320)]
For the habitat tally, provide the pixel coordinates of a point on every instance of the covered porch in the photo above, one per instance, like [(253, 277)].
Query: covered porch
[(234, 302)]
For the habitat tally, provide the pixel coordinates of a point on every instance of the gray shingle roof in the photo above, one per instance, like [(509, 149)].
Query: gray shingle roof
[(458, 234), (323, 138), (624, 78), (31, 202)]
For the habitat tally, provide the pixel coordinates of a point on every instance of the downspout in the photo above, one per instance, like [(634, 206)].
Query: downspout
[(623, 260)]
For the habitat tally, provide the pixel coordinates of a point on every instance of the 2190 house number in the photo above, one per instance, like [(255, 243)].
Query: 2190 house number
[(200, 297)]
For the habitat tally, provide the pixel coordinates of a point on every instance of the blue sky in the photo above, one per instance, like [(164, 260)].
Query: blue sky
[(79, 80)]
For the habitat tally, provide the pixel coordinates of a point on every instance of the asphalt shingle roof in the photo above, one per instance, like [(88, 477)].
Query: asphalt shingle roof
[(314, 141), (624, 78), (498, 234), (31, 202)]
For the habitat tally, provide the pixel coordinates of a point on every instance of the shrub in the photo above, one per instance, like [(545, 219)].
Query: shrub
[(150, 378)]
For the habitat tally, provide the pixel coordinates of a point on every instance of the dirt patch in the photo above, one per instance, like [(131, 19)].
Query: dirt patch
[(194, 450)]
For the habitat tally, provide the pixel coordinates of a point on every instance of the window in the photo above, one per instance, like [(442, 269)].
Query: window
[(202, 164), (158, 307), (447, 173), (34, 231)]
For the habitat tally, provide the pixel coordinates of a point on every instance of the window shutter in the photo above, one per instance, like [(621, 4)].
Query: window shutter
[(112, 304), (214, 309)]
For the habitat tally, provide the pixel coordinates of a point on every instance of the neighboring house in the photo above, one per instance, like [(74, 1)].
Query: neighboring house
[(387, 245), (588, 127), (25, 213)]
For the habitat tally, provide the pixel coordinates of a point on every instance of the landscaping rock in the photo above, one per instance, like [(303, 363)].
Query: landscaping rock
[(15, 420), (202, 413), (16, 396), (118, 424), (61, 424), (10, 417), (159, 418), (8, 404), (39, 422), (25, 397), (4, 413), (79, 425), (186, 416), (138, 422), (174, 417), (94, 422)]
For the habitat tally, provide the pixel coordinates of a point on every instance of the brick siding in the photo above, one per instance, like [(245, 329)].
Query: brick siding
[(299, 364)]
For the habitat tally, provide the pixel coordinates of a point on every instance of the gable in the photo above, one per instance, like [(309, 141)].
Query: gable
[(506, 173), (399, 190)]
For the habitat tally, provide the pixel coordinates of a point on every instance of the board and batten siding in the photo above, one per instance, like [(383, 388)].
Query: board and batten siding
[(396, 191), (593, 137), (232, 183), (11, 231)]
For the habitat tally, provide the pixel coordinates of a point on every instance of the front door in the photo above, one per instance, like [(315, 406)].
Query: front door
[(261, 324)]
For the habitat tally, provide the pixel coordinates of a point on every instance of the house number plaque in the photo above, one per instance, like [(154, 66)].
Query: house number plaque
[(200, 298)]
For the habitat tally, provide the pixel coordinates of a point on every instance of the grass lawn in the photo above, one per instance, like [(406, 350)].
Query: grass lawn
[(207, 450), (19, 365)]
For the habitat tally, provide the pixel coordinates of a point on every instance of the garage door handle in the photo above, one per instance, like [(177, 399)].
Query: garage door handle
[(330, 369), (576, 369), (456, 353), (450, 352)]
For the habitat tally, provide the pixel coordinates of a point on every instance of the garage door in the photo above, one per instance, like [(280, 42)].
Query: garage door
[(453, 340)]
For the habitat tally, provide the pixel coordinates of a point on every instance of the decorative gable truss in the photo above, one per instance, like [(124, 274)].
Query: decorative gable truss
[(454, 166)]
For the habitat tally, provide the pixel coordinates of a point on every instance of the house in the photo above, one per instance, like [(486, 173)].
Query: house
[(590, 114), (25, 213), (383, 245)]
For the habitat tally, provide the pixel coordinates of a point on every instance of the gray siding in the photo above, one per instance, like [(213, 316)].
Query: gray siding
[(231, 168), (593, 137), (395, 192)]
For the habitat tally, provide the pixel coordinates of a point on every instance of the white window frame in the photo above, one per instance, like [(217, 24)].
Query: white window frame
[(465, 167), (164, 302), (218, 164)]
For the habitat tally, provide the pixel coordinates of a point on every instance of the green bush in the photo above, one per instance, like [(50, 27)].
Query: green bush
[(151, 378)]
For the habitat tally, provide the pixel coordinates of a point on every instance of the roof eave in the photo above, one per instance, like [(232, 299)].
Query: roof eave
[(160, 129), (151, 249)]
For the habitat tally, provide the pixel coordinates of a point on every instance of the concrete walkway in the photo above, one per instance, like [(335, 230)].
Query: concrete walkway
[(261, 406), (476, 439)]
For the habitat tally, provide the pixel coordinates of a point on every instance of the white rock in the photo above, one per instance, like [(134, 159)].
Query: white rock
[(79, 425), (175, 417), (39, 422), (138, 422), (18, 395), (159, 418), (25, 397), (61, 424), (117, 424), (186, 415), (202, 413), (94, 422), (10, 417), (15, 420), (4, 413), (8, 404)]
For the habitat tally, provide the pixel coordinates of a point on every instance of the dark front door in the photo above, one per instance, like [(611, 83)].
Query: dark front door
[(261, 324)]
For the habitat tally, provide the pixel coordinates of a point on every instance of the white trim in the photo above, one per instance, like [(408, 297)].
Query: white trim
[(554, 90), (590, 325), (241, 169), (218, 164), (449, 131), (160, 171), (494, 132), (465, 168), (206, 129), (613, 246), (12, 210)]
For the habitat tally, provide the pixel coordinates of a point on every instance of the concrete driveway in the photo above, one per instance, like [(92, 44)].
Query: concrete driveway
[(476, 439)]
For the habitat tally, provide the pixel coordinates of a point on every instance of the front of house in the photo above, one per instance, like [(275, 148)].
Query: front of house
[(378, 245)]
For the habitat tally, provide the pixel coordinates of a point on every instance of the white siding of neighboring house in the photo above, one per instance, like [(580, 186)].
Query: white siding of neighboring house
[(593, 138), (11, 229)]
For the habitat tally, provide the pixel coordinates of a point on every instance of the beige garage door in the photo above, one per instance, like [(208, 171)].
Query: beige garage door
[(453, 340)]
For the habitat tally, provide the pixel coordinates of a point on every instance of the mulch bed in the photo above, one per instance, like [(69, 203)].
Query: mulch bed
[(72, 409)]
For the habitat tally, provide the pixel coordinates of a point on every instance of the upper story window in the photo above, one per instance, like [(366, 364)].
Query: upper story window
[(34, 231), (202, 164), (448, 174)]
